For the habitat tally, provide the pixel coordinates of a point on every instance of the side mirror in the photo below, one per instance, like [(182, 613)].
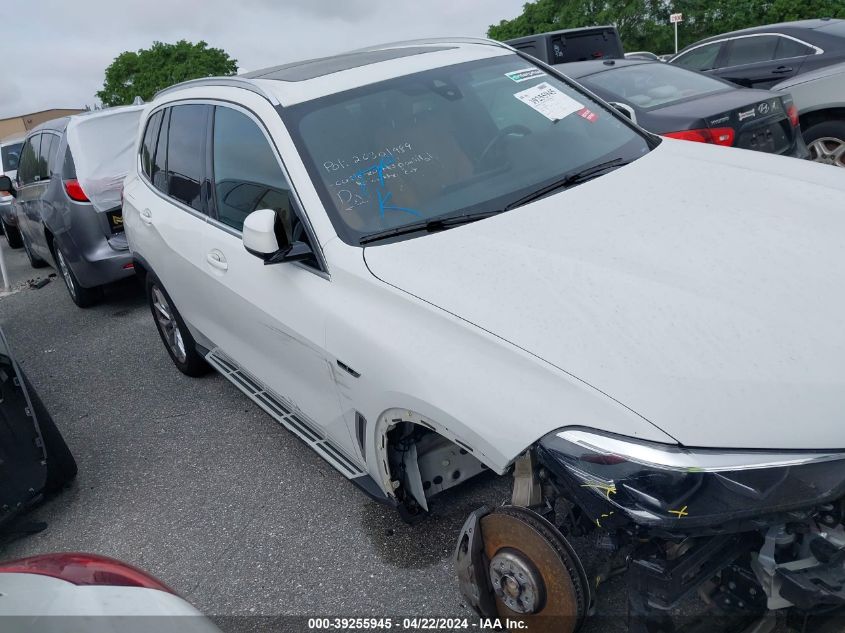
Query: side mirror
[(625, 110), (6, 185), (259, 238)]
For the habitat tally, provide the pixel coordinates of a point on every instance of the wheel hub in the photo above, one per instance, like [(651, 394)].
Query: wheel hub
[(516, 581)]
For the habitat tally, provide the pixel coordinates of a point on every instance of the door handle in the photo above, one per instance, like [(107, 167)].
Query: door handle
[(146, 216), (782, 69), (217, 260)]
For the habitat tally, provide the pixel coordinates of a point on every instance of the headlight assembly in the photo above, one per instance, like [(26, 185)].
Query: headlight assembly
[(673, 487)]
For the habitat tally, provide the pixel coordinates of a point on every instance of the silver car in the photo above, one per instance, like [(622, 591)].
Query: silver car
[(67, 199), (820, 98), (10, 151)]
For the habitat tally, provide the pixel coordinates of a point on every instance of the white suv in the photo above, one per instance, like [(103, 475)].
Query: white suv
[(322, 234)]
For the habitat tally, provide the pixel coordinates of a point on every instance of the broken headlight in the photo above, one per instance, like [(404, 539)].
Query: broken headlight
[(674, 487)]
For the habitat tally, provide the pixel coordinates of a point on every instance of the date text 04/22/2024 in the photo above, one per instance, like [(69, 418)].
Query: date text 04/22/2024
[(417, 624)]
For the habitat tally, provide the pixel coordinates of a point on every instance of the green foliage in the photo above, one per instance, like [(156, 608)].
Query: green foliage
[(145, 72), (644, 24)]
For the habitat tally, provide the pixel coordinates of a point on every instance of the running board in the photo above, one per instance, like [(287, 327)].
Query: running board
[(285, 414)]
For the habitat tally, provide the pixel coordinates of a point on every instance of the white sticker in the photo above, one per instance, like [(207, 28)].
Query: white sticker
[(549, 101), (525, 74)]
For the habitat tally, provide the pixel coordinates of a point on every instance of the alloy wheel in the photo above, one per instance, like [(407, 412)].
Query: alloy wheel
[(63, 268), (168, 325), (828, 150)]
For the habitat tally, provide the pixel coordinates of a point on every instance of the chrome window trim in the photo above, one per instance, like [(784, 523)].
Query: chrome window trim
[(818, 51), (323, 270)]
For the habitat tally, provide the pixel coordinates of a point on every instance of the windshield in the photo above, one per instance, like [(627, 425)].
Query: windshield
[(467, 138), (649, 86), (9, 155)]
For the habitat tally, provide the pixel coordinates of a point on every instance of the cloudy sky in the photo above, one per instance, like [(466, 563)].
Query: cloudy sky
[(55, 51)]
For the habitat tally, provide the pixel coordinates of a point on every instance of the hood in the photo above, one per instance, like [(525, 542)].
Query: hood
[(700, 286)]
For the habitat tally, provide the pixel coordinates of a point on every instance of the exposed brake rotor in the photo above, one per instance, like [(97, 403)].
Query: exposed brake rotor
[(534, 572)]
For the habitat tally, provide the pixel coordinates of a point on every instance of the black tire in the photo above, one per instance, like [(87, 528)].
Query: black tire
[(34, 260), (833, 130), (82, 297), (13, 235), (61, 466), (187, 359)]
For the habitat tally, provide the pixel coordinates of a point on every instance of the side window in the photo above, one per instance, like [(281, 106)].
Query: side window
[(701, 58), (49, 146), (186, 153), (28, 166), (790, 48), (752, 50), (247, 176), (158, 163), (148, 144)]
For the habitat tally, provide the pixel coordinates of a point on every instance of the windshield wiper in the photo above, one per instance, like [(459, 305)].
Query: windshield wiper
[(569, 180), (428, 226)]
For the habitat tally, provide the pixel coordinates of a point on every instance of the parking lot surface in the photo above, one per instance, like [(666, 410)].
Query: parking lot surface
[(191, 481)]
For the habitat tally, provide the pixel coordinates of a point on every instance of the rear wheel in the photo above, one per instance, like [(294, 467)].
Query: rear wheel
[(826, 142), (13, 235), (83, 297), (174, 333)]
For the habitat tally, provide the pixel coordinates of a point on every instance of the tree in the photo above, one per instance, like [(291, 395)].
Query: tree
[(145, 72), (644, 24)]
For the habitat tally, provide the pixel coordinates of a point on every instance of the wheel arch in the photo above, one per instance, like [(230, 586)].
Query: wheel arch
[(828, 113)]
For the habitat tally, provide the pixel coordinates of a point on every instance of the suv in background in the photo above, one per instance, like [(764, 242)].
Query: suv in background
[(572, 45), (68, 203), (10, 151), (762, 56)]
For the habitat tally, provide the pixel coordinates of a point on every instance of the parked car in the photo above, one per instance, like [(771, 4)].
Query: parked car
[(34, 458), (820, 99), (67, 199), (10, 150), (572, 45), (683, 104), (643, 55), (52, 592), (447, 260), (762, 56)]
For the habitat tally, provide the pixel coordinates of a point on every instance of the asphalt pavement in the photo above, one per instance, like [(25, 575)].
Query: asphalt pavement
[(188, 479)]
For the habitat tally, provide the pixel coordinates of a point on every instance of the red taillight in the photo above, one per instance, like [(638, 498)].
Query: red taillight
[(717, 135), (128, 266), (74, 191), (792, 113), (84, 569)]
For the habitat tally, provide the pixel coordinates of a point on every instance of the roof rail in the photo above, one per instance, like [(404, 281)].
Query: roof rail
[(235, 82), (435, 40)]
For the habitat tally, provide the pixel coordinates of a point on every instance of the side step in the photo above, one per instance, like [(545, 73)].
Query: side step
[(297, 423)]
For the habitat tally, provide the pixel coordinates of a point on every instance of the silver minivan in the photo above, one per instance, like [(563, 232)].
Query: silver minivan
[(68, 198)]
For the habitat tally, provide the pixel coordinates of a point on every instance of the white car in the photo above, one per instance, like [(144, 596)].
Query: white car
[(437, 258), (72, 591)]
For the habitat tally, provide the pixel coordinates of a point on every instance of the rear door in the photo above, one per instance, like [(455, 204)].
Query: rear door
[(760, 61), (37, 209), (165, 207)]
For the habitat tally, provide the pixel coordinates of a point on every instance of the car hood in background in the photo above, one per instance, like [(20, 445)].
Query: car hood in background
[(700, 286)]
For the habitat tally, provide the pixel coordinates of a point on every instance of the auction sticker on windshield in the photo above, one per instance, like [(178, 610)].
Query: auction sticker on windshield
[(549, 101), (525, 74)]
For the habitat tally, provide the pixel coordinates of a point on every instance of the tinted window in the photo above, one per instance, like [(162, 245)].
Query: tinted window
[(9, 155), (652, 85), (28, 167), (49, 146), (701, 58), (68, 166), (247, 176), (148, 145), (790, 48), (752, 50), (185, 154), (159, 159)]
